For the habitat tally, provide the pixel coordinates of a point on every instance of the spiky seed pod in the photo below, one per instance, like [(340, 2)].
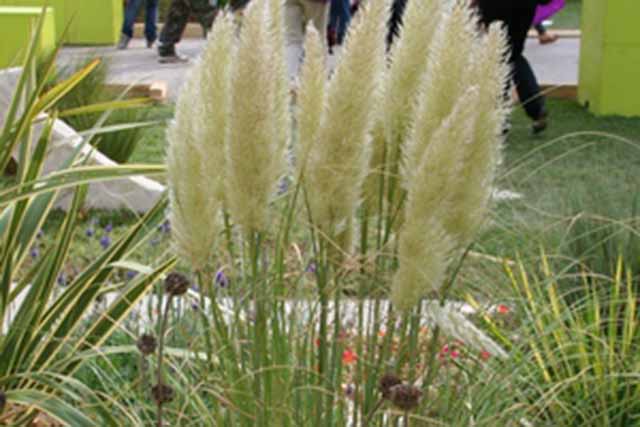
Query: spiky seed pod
[(338, 162), (445, 81), (405, 397), (3, 401), (470, 202), (311, 96), (214, 98), (190, 204), (176, 284), (386, 382), (254, 153), (162, 393), (147, 344)]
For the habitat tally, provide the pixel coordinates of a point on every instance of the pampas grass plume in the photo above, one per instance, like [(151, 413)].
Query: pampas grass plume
[(255, 160), (191, 207), (215, 70), (445, 80), (338, 162), (311, 95)]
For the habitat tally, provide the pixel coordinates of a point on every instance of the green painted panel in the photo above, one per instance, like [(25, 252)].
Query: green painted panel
[(94, 22), (610, 57), (58, 9), (620, 89), (16, 26)]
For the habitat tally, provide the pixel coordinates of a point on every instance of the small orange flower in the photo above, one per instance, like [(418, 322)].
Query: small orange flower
[(349, 357)]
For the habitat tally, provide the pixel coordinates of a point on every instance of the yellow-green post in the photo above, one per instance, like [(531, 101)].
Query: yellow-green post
[(17, 25), (610, 57), (94, 22)]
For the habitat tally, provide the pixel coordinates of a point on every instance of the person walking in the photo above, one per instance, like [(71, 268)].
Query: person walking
[(339, 18), (175, 23), (130, 14), (518, 16), (297, 13)]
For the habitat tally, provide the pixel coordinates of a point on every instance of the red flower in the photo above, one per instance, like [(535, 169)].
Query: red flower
[(455, 354), (503, 309), (349, 357), (485, 355)]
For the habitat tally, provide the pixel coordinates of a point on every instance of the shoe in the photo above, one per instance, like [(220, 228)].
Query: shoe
[(150, 43), (124, 42), (547, 38), (173, 59), (540, 125)]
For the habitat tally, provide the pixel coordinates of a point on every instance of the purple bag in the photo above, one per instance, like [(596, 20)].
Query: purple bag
[(544, 12)]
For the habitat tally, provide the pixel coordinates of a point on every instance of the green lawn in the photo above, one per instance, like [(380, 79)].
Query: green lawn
[(569, 17)]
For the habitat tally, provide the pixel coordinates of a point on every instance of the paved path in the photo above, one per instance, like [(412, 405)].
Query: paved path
[(555, 64)]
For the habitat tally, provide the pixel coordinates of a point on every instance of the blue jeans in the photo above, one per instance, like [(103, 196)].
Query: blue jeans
[(151, 15), (339, 18)]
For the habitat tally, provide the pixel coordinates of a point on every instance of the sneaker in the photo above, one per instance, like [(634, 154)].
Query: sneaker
[(547, 38), (124, 42), (539, 125), (150, 43), (173, 59)]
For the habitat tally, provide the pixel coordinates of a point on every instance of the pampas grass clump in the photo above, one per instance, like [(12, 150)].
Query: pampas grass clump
[(429, 113)]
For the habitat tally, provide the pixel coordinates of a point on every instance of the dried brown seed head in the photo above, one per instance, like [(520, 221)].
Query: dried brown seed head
[(176, 284), (405, 396), (386, 382), (147, 344), (162, 393)]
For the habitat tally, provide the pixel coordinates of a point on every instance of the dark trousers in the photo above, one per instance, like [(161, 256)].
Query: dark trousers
[(151, 16), (177, 19), (517, 17), (395, 22), (339, 18)]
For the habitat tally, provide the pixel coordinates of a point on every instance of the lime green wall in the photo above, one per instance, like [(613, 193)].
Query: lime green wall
[(610, 57), (93, 22), (16, 27)]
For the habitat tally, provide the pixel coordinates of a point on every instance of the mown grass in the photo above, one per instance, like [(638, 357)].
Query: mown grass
[(569, 17)]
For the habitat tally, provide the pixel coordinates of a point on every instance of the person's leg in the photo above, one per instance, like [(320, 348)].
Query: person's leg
[(151, 17), (334, 17), (528, 88), (174, 25), (524, 77), (318, 13), (344, 18), (205, 13), (395, 22), (294, 35), (130, 14)]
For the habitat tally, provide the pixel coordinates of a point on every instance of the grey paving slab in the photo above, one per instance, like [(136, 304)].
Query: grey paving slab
[(555, 64)]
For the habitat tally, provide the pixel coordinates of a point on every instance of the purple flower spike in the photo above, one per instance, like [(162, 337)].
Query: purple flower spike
[(108, 228), (105, 241), (221, 279), (90, 232), (62, 280), (311, 268), (165, 227), (131, 274), (35, 253)]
